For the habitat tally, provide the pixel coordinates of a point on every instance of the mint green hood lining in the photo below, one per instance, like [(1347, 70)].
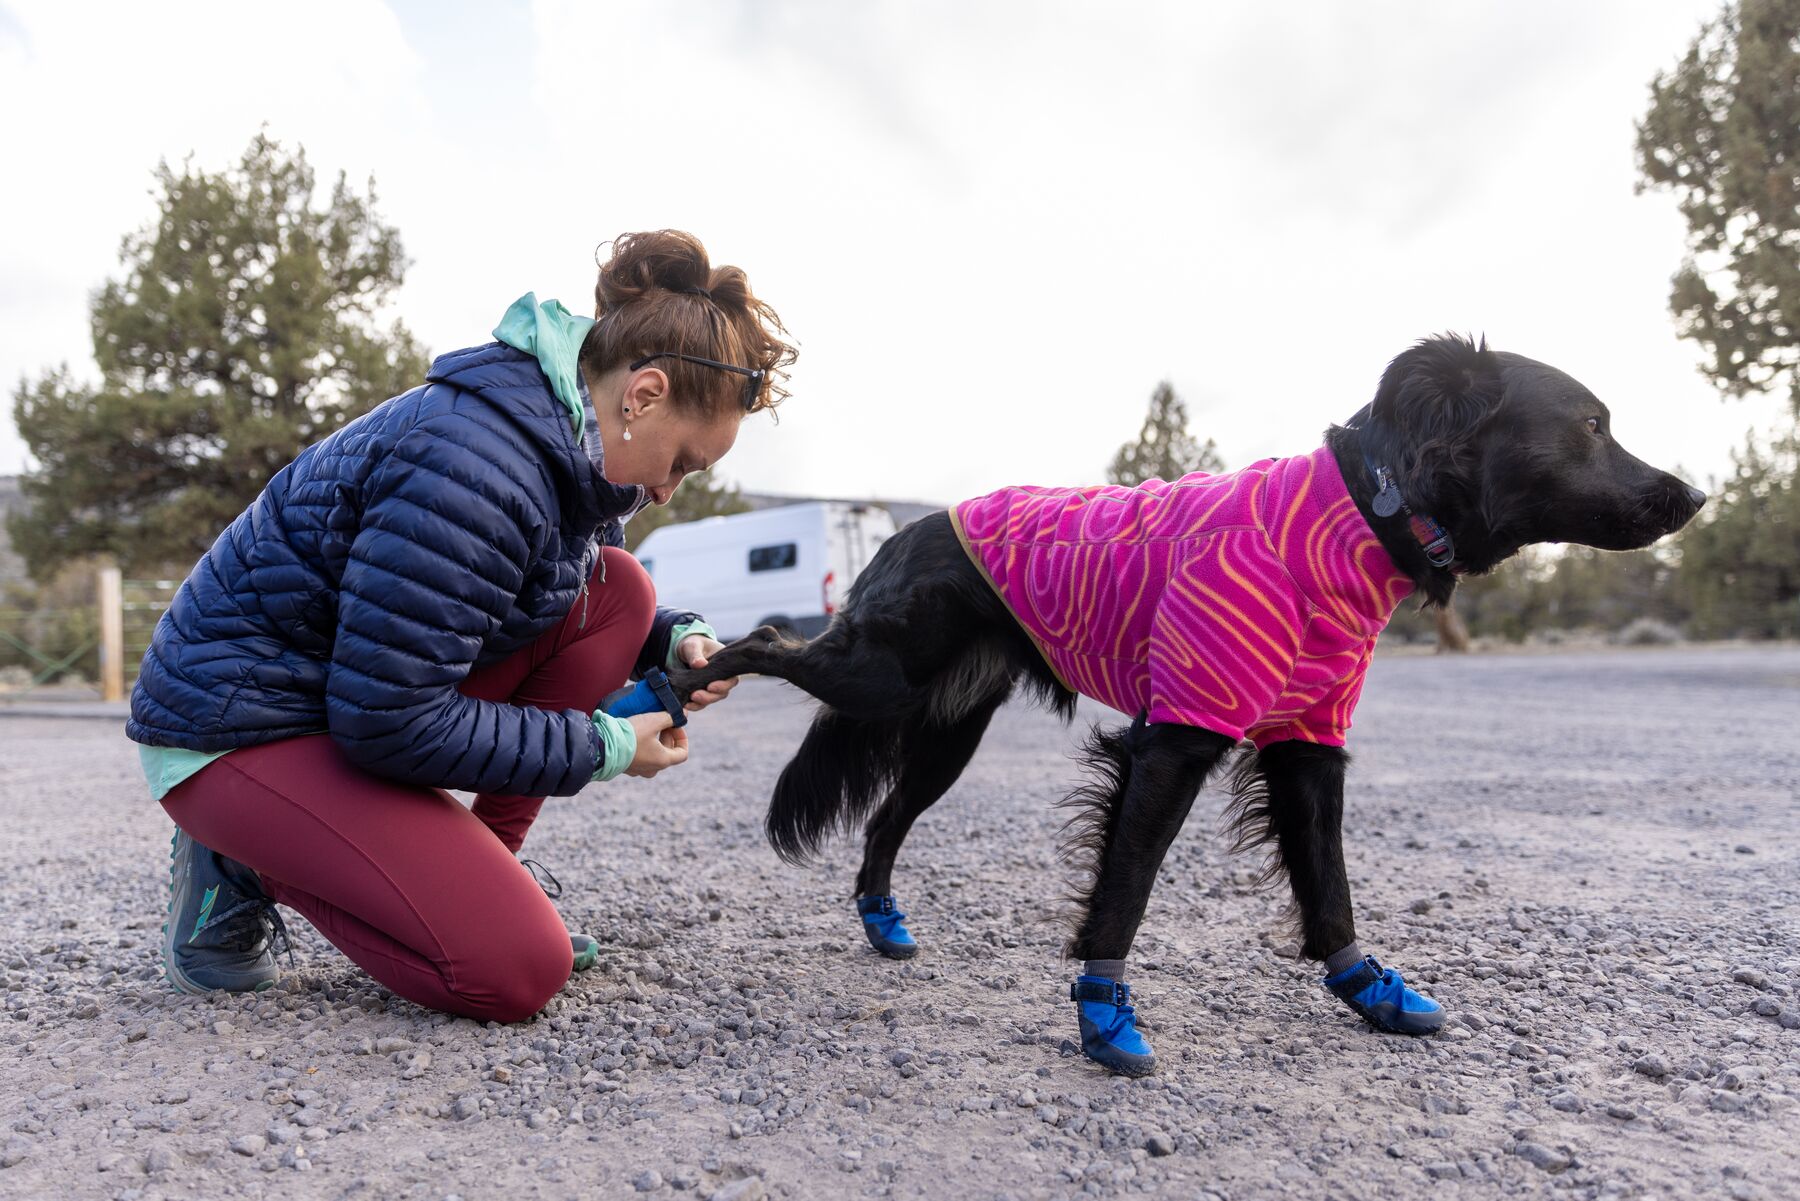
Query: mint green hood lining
[(554, 336)]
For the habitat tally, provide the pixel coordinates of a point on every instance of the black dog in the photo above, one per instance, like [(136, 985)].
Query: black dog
[(1463, 457)]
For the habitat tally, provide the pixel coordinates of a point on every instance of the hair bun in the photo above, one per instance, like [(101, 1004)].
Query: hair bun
[(642, 262)]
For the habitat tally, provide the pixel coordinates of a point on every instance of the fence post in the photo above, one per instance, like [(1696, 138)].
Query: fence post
[(112, 634)]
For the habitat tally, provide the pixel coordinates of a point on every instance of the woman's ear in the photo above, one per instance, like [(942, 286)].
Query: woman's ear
[(1436, 392), (645, 390)]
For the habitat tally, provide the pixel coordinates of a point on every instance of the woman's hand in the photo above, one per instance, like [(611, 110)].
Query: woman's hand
[(659, 744), (693, 651)]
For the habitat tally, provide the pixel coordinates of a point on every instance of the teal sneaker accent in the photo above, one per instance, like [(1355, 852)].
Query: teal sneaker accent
[(206, 905), (586, 952), (233, 925)]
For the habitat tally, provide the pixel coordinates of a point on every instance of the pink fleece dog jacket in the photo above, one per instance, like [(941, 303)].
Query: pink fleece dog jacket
[(1247, 603)]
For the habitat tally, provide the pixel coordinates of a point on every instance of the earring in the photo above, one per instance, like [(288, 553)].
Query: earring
[(627, 425)]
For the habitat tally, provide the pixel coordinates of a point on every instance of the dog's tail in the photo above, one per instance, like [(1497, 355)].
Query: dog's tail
[(842, 770)]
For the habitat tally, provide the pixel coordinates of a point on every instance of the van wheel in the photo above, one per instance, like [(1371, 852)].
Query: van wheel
[(782, 625)]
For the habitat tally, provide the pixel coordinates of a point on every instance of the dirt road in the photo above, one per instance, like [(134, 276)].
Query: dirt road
[(1593, 861)]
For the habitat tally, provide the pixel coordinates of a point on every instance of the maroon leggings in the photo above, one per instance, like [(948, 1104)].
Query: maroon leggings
[(421, 893)]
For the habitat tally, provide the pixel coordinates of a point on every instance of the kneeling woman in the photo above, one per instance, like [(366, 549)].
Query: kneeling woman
[(436, 597)]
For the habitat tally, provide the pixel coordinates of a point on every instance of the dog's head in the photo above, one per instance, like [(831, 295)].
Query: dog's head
[(1505, 451)]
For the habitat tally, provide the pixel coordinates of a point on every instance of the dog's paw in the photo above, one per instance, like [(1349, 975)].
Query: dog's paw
[(886, 927), (1109, 1033), (1381, 998)]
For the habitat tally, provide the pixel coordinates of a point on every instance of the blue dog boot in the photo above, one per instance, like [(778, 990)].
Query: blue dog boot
[(886, 927), (1381, 997), (1109, 1033)]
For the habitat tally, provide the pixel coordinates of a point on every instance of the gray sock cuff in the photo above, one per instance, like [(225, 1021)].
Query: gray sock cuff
[(1343, 960), (1111, 969)]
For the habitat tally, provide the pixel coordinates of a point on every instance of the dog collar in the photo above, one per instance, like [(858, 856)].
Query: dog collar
[(1433, 539)]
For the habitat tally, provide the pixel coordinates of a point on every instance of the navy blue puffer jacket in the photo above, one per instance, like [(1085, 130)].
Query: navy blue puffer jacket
[(443, 529)]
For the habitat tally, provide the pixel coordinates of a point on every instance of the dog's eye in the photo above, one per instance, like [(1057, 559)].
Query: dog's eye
[(1593, 424)]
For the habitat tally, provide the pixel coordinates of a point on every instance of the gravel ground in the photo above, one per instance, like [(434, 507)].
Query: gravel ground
[(1589, 858)]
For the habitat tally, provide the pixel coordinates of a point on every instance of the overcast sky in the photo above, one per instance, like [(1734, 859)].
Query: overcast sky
[(993, 227)]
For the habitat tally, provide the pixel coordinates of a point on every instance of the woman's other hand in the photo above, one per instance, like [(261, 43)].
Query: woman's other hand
[(659, 744), (694, 651)]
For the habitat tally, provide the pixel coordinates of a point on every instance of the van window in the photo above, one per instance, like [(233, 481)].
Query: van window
[(649, 566), (774, 558)]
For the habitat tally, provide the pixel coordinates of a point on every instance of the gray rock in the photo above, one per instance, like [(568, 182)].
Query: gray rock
[(249, 1144), (1753, 977), (1160, 1145), (1541, 1156), (647, 1181), (1653, 1066), (750, 1188)]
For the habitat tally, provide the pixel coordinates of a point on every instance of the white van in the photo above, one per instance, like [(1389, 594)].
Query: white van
[(789, 566)]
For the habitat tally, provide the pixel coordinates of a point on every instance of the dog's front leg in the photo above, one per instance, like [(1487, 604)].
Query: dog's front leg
[(1303, 811), (1145, 781)]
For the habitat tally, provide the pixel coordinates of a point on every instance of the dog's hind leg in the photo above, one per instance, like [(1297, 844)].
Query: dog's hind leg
[(862, 676), (919, 627), (1292, 794), (932, 757), (1145, 782)]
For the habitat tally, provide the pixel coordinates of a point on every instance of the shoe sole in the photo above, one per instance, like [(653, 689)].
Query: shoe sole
[(895, 950), (1122, 1063), (1382, 1024)]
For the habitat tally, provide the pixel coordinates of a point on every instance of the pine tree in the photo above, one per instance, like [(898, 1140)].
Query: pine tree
[(244, 326), (1723, 133), (1164, 449)]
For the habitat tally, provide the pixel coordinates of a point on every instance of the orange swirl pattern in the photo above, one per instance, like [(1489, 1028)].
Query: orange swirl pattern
[(1247, 603)]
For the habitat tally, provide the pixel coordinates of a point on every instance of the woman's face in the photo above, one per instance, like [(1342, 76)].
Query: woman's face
[(665, 444)]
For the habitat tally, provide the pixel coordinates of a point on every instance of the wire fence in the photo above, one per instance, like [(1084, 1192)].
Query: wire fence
[(143, 602), (72, 646)]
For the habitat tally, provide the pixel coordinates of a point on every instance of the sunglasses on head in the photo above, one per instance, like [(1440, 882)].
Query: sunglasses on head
[(753, 376)]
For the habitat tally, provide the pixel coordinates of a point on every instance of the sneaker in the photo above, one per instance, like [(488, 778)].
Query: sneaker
[(1109, 1033), (584, 949), (1380, 997), (886, 927), (222, 928)]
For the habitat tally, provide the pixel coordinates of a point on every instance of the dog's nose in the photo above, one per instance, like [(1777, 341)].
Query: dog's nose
[(1696, 496)]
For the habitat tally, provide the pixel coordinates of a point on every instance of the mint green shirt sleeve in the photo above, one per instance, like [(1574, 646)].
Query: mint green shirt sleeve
[(682, 631), (618, 741)]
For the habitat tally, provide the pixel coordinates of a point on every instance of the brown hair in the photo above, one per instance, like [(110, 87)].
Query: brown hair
[(658, 292)]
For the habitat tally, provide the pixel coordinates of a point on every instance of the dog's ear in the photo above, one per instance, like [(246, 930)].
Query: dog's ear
[(1432, 400), (1438, 390)]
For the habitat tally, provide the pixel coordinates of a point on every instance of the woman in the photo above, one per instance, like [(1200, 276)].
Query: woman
[(436, 597)]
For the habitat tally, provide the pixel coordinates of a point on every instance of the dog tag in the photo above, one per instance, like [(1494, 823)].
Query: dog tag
[(1387, 502)]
